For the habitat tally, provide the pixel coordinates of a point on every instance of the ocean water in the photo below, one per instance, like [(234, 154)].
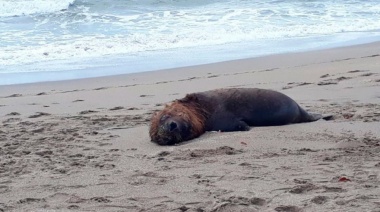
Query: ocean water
[(44, 40)]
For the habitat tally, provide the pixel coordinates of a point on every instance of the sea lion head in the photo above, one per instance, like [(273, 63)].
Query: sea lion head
[(172, 128), (182, 120)]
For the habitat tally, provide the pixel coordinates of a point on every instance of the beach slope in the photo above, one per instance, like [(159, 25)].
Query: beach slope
[(83, 145)]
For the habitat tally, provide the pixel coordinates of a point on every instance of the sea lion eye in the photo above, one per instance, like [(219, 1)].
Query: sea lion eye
[(164, 117)]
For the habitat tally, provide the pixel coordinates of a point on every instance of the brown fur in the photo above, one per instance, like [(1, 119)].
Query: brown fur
[(187, 110)]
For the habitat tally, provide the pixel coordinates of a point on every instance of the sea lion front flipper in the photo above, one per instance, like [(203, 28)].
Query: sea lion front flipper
[(230, 126), (226, 122)]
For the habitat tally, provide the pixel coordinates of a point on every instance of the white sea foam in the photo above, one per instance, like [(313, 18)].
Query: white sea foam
[(27, 7), (93, 29)]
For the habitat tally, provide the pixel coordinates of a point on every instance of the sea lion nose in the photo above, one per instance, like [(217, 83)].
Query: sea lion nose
[(172, 126)]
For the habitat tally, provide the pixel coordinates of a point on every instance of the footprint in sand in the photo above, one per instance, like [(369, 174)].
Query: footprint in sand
[(76, 90), (73, 207), (238, 203), (39, 114), (87, 112), (295, 84), (144, 95), (126, 86), (332, 81), (4, 189), (30, 200), (343, 78), (301, 189), (200, 153), (163, 82), (213, 76), (287, 208), (13, 114), (367, 74), (100, 199), (325, 75), (356, 71), (117, 108), (14, 95), (271, 69), (75, 199), (246, 201), (188, 79), (101, 88), (319, 200), (374, 55), (327, 82), (333, 189), (44, 153), (227, 207)]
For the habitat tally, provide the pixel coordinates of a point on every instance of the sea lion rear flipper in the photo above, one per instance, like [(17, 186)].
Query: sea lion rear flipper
[(314, 116), (317, 116), (308, 117), (328, 117)]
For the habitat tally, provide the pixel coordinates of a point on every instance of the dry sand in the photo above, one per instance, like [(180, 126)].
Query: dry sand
[(83, 145)]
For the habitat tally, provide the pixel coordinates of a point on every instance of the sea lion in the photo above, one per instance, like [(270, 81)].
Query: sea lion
[(234, 109)]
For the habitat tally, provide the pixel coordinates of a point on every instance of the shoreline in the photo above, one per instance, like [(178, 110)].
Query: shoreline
[(84, 145), (56, 76)]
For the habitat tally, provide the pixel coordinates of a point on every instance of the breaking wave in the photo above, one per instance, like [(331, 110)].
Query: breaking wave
[(28, 7)]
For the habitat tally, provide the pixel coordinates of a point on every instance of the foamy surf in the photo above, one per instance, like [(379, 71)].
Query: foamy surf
[(27, 7), (36, 34)]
